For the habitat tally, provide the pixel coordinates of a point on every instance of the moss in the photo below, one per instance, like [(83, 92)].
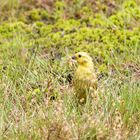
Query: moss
[(104, 38), (58, 12), (129, 4), (38, 14), (10, 30), (67, 25), (126, 17), (45, 30), (35, 14)]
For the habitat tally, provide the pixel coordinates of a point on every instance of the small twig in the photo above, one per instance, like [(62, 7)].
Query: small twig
[(6, 128)]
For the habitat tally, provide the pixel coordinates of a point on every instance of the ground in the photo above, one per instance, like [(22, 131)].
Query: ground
[(36, 40)]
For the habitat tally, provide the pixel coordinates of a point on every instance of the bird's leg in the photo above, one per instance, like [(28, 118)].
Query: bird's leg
[(94, 94)]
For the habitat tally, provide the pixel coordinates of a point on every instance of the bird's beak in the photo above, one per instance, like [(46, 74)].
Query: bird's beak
[(73, 57)]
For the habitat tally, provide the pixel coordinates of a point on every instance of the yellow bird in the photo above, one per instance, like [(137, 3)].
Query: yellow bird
[(84, 80)]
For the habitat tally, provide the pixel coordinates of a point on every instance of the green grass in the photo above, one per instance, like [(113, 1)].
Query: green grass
[(35, 46)]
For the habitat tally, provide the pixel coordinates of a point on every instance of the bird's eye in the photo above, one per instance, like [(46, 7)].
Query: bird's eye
[(79, 55)]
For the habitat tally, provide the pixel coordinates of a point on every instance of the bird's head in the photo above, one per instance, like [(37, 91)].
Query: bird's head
[(82, 59)]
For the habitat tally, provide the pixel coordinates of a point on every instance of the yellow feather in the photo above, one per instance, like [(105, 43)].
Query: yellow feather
[(85, 82)]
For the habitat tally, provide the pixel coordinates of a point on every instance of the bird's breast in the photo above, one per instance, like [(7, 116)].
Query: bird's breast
[(82, 79)]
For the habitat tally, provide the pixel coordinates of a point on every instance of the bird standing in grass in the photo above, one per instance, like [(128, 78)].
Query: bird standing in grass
[(84, 80)]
